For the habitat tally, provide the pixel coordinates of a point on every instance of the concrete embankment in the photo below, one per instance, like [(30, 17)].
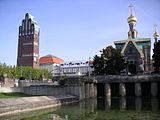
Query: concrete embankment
[(9, 106)]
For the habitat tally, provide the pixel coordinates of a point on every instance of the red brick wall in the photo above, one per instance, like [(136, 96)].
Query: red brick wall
[(28, 35)]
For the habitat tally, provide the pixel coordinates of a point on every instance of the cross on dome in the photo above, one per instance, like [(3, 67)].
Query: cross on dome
[(156, 28), (131, 18), (156, 35), (131, 9)]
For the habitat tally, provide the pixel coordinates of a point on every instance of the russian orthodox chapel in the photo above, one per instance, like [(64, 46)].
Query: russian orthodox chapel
[(135, 50)]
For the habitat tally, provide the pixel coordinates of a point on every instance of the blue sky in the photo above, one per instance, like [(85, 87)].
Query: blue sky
[(74, 29)]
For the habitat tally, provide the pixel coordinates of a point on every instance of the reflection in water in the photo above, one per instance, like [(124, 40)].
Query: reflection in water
[(108, 102), (56, 117), (154, 104), (123, 103), (138, 103), (119, 108)]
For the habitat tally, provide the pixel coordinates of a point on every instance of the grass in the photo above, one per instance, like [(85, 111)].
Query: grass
[(13, 95)]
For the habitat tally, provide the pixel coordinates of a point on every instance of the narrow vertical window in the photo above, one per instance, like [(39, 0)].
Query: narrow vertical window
[(23, 25), (26, 25), (20, 30), (29, 24)]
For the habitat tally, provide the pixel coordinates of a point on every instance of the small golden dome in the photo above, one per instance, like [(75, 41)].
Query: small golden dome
[(156, 35), (132, 19)]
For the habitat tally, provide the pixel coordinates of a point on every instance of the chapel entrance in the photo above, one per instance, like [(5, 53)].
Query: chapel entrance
[(132, 68)]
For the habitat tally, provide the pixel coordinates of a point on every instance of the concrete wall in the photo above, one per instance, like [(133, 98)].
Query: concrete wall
[(25, 83), (7, 82), (86, 87), (81, 91), (50, 90), (10, 89), (18, 105)]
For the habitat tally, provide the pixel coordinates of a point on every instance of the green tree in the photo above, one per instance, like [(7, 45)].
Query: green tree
[(62, 79), (25, 72), (156, 56), (110, 62), (99, 65)]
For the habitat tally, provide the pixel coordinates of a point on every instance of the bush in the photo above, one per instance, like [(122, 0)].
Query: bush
[(61, 82), (21, 78)]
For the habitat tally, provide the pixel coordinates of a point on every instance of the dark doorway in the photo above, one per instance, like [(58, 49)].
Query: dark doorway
[(146, 104), (146, 89), (100, 90), (101, 103), (130, 103), (158, 83), (115, 89), (115, 103), (132, 68), (130, 89)]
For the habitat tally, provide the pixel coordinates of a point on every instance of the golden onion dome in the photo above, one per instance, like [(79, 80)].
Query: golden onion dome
[(156, 35), (132, 19)]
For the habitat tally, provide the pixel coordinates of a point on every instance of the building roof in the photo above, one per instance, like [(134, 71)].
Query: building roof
[(135, 45), (50, 59), (135, 40)]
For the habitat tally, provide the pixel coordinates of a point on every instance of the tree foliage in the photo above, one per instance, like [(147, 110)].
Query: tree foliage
[(110, 62), (26, 72), (62, 79), (156, 56)]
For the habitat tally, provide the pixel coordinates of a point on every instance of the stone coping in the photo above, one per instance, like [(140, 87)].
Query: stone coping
[(9, 106), (23, 100), (122, 78)]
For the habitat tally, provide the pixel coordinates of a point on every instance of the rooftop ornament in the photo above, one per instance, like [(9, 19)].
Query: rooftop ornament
[(131, 18)]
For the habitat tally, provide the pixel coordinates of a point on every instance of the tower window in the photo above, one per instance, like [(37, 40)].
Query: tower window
[(27, 55), (28, 43)]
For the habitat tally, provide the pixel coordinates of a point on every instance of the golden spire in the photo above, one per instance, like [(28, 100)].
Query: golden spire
[(131, 18), (156, 35)]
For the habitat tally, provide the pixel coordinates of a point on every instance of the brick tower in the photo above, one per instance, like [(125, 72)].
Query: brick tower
[(28, 42)]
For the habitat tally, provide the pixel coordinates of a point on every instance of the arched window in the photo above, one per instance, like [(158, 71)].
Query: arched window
[(20, 30), (26, 23), (32, 28), (23, 25), (29, 24)]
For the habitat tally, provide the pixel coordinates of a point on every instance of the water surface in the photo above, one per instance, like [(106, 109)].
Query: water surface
[(98, 109)]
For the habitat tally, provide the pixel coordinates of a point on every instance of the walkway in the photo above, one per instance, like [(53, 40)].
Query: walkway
[(10, 106)]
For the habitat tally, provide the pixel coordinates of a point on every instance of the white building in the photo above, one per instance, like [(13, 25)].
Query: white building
[(51, 63), (72, 68), (58, 67)]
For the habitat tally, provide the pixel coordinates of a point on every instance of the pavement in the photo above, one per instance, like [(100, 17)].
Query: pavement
[(10, 106)]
